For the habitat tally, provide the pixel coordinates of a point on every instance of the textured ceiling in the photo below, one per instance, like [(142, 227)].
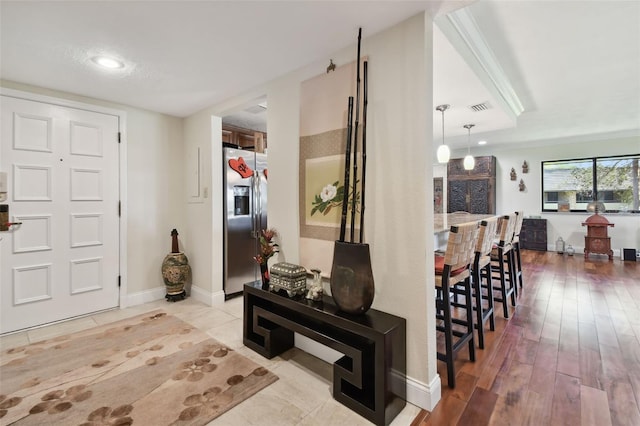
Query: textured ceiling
[(181, 56), (575, 66)]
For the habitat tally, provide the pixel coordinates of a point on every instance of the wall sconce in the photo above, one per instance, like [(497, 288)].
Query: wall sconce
[(443, 152)]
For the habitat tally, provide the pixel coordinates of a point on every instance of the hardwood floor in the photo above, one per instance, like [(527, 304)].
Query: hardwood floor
[(568, 355)]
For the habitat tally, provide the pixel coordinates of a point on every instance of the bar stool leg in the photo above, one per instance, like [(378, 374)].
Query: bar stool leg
[(482, 314), (487, 277), (469, 306), (477, 288), (519, 263), (512, 276), (448, 336), (503, 284)]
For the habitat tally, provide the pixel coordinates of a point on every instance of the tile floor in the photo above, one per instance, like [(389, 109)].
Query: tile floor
[(302, 396)]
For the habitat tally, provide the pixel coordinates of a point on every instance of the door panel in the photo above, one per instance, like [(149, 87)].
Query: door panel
[(479, 194), (63, 260), (457, 196)]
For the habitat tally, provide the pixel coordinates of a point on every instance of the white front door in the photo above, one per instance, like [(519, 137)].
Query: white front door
[(62, 167)]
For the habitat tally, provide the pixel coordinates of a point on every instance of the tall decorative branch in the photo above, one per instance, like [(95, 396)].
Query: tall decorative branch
[(364, 150), (355, 142), (347, 171)]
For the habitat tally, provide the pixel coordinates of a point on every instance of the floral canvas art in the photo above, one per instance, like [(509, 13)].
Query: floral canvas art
[(324, 195)]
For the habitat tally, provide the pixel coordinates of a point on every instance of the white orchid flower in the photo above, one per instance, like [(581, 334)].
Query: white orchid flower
[(328, 193)]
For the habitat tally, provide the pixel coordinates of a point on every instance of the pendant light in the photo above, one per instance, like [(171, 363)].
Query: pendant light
[(469, 162), (443, 152)]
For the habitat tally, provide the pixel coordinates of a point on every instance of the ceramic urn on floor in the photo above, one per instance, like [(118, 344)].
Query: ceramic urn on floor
[(175, 271)]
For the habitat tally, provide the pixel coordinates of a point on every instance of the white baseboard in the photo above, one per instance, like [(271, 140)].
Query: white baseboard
[(146, 296), (316, 349), (423, 395), (579, 251), (206, 297), (158, 293)]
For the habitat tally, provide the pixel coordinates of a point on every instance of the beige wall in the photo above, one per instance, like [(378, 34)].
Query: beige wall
[(204, 214)]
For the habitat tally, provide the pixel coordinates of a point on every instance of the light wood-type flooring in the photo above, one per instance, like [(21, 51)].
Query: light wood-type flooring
[(568, 355)]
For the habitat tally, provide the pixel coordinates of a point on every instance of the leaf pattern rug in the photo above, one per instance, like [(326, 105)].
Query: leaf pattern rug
[(151, 369)]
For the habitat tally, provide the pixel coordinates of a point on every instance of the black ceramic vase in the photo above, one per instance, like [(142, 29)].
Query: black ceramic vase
[(352, 286)]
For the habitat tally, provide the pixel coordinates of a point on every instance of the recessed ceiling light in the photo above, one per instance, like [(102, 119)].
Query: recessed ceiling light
[(482, 142), (107, 62)]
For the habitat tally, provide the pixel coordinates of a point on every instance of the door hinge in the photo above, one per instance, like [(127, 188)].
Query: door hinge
[(119, 208), (119, 280), (119, 137)]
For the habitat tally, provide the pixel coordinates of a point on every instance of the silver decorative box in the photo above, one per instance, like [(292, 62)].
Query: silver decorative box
[(289, 277)]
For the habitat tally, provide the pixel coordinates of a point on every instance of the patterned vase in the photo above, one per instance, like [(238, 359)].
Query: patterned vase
[(175, 272)]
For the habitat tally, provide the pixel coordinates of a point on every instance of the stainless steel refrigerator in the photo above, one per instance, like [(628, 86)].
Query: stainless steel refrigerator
[(245, 214)]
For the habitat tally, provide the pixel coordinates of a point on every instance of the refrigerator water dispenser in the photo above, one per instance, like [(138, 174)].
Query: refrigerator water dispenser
[(240, 200)]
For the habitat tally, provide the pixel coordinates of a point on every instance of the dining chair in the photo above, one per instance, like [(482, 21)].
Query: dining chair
[(451, 269)]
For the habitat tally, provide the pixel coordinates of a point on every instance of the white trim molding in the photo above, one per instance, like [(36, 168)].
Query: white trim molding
[(423, 395), (464, 34), (145, 296), (207, 297)]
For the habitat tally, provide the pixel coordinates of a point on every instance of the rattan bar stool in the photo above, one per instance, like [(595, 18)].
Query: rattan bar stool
[(451, 269), (502, 262), (481, 269)]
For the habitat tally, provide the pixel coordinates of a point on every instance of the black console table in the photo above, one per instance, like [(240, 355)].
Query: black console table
[(370, 378)]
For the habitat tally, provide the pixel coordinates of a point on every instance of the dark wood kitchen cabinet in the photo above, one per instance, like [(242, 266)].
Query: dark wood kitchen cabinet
[(533, 235), (244, 138), (472, 191)]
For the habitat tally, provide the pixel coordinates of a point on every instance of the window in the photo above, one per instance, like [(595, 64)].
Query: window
[(570, 185), (551, 196)]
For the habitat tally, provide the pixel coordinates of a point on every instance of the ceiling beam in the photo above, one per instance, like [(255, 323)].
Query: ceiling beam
[(463, 32)]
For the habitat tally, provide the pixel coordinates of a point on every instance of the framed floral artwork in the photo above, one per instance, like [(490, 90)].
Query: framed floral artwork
[(323, 136)]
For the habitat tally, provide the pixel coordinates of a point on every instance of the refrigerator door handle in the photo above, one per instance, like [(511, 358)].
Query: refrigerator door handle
[(258, 211), (255, 233)]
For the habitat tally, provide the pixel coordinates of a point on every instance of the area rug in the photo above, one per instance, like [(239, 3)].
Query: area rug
[(152, 369)]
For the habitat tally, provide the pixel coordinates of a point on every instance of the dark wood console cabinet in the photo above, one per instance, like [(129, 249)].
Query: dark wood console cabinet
[(370, 378), (472, 191), (533, 235)]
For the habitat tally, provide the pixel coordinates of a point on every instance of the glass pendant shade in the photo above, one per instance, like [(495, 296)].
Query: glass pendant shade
[(443, 152), (469, 162)]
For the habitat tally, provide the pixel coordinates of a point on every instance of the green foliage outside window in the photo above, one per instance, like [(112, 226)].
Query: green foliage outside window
[(570, 185)]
